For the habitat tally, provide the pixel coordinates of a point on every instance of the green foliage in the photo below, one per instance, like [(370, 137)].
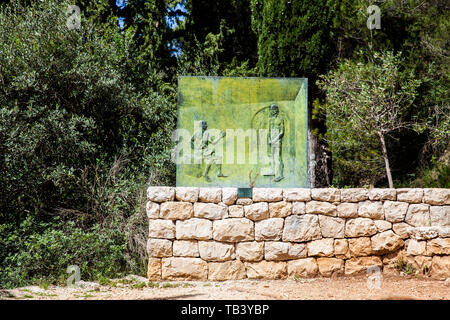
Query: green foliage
[(366, 100), (231, 18), (149, 61), (204, 58), (66, 102), (405, 267), (43, 284), (437, 175), (294, 37), (153, 284), (419, 29), (79, 141), (47, 249), (374, 93), (139, 285)]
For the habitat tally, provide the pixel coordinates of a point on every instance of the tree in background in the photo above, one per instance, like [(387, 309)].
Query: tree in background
[(78, 143), (419, 29), (369, 98), (206, 17), (296, 39), (216, 39), (150, 62)]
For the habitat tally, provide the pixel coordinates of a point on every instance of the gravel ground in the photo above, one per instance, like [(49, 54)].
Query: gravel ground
[(343, 288)]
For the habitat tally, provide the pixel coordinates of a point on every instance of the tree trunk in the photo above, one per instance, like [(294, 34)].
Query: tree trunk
[(320, 169), (311, 160), (386, 160)]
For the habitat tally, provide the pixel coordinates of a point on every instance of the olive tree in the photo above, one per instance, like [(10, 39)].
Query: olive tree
[(368, 99)]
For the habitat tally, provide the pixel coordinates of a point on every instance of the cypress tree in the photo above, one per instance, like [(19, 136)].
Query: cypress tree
[(296, 39)]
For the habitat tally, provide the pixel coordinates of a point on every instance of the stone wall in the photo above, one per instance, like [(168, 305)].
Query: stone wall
[(210, 234)]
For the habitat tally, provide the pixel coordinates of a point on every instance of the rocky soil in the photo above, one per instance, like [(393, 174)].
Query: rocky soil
[(342, 288)]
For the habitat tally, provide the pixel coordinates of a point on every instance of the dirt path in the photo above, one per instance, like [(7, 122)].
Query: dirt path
[(355, 288)]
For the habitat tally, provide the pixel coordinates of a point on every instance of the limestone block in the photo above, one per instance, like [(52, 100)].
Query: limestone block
[(444, 232), (158, 228), (152, 209), (371, 209), (320, 207), (187, 194), (236, 211), (386, 242), (281, 209), (418, 215), (210, 211), (416, 248), (301, 228), (330, 267), (424, 233), (185, 248), (174, 210), (347, 210), (341, 248), (284, 250), (326, 194), (440, 267), (184, 269), (250, 251), (161, 194), (216, 251), (269, 229), (267, 194), (210, 195), (440, 216), (229, 270), (304, 268), (276, 250), (159, 248), (298, 208), (257, 211), (332, 227), (268, 270), (383, 225), (244, 201), (437, 196), (410, 195), (194, 229), (360, 227), (297, 250), (420, 262), (360, 247), (438, 246), (321, 248), (233, 230), (296, 194), (354, 195), (382, 194), (395, 211), (229, 195), (401, 229), (360, 265), (154, 269)]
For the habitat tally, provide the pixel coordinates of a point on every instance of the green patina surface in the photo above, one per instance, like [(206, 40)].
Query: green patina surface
[(227, 104)]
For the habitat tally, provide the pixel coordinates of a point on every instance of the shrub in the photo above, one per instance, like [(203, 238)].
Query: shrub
[(78, 144), (45, 250)]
